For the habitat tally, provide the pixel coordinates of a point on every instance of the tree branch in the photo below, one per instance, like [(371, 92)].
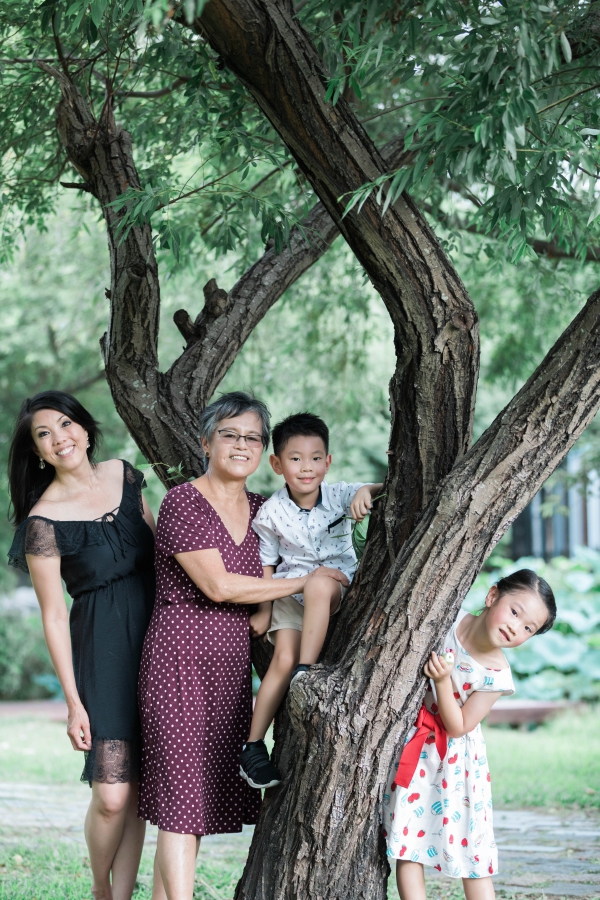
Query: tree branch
[(435, 323), (543, 248)]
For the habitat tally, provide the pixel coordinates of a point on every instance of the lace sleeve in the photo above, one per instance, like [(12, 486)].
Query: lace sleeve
[(36, 537), (136, 478)]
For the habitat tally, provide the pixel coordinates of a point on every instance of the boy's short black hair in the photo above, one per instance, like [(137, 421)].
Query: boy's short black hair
[(304, 424)]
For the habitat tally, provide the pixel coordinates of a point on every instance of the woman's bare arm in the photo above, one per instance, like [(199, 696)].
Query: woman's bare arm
[(208, 572), (45, 577), (147, 515)]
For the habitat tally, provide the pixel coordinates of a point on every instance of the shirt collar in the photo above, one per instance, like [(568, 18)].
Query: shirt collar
[(323, 499)]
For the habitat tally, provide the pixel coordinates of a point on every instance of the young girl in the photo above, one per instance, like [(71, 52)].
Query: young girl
[(438, 803)]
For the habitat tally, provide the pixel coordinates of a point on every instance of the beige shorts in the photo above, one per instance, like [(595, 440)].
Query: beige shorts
[(288, 613)]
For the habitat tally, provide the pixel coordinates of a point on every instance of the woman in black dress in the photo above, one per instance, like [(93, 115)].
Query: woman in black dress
[(87, 524)]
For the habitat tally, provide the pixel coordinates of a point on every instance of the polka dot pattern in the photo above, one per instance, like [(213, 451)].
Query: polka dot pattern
[(195, 689)]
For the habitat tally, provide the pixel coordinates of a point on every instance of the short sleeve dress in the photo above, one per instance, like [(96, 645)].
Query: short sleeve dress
[(195, 688), (108, 568), (444, 818)]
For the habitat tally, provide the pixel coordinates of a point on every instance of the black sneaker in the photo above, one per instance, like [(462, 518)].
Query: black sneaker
[(298, 672), (256, 768)]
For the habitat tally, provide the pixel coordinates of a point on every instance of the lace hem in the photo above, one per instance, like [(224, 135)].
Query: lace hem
[(112, 762)]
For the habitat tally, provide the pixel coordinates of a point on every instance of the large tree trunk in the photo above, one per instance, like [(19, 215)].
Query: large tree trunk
[(318, 835)]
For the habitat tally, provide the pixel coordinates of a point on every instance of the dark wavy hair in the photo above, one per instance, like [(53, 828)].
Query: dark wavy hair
[(528, 580), (26, 481)]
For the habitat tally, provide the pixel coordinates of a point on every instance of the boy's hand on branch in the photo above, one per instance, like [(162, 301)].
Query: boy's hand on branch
[(361, 503), (437, 668)]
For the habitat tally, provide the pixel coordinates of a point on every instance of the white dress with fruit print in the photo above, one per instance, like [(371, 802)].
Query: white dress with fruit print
[(444, 818)]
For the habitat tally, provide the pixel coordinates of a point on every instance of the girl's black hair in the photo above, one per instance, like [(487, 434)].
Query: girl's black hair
[(26, 481), (528, 580)]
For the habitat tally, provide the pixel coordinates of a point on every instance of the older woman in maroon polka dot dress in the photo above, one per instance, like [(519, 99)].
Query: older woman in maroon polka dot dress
[(195, 679)]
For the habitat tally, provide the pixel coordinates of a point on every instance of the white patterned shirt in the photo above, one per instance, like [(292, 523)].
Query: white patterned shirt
[(298, 541)]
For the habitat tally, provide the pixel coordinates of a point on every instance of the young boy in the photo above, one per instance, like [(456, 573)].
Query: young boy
[(302, 531)]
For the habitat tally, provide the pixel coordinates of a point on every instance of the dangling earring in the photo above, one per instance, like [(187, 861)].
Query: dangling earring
[(42, 464), (88, 443)]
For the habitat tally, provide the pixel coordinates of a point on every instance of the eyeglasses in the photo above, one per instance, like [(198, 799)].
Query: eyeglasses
[(232, 437)]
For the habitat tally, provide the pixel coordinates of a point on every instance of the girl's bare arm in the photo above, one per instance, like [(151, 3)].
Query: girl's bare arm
[(45, 577), (458, 720)]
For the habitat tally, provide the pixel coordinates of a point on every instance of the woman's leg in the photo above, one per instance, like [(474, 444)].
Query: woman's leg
[(276, 681), (410, 880), (104, 827), (127, 858), (175, 866), (478, 888)]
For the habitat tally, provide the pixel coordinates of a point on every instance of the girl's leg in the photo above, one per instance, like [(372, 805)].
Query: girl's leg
[(104, 825), (410, 880), (175, 866), (276, 681), (322, 597), (127, 858), (478, 888)]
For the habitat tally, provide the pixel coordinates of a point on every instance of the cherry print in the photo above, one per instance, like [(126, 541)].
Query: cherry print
[(413, 797), (464, 842), (452, 759), (421, 833), (405, 830), (422, 773), (444, 783), (451, 839), (445, 820), (467, 686)]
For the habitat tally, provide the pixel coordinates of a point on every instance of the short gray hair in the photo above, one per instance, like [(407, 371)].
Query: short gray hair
[(228, 406)]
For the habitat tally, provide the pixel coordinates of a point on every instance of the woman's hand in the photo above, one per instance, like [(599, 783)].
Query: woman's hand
[(78, 728), (260, 620), (437, 668), (330, 573), (361, 503)]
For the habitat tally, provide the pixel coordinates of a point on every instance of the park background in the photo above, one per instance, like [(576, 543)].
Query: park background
[(326, 347)]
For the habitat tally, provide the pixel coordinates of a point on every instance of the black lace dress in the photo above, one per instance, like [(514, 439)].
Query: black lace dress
[(108, 568)]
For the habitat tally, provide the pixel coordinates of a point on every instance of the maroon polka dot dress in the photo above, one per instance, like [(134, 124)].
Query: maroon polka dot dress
[(195, 689)]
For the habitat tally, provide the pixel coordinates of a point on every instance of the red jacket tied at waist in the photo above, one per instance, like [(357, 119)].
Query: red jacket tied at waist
[(426, 723)]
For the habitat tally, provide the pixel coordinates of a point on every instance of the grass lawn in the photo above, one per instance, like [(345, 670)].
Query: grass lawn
[(56, 870), (555, 765)]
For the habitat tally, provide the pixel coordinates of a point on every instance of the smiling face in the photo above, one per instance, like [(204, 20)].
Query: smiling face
[(513, 618), (58, 440), (303, 462), (235, 457)]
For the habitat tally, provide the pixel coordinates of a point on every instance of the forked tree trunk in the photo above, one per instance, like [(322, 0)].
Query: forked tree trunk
[(319, 833)]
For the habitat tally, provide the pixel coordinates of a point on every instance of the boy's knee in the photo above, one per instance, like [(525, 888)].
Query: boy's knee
[(321, 589), (284, 659)]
